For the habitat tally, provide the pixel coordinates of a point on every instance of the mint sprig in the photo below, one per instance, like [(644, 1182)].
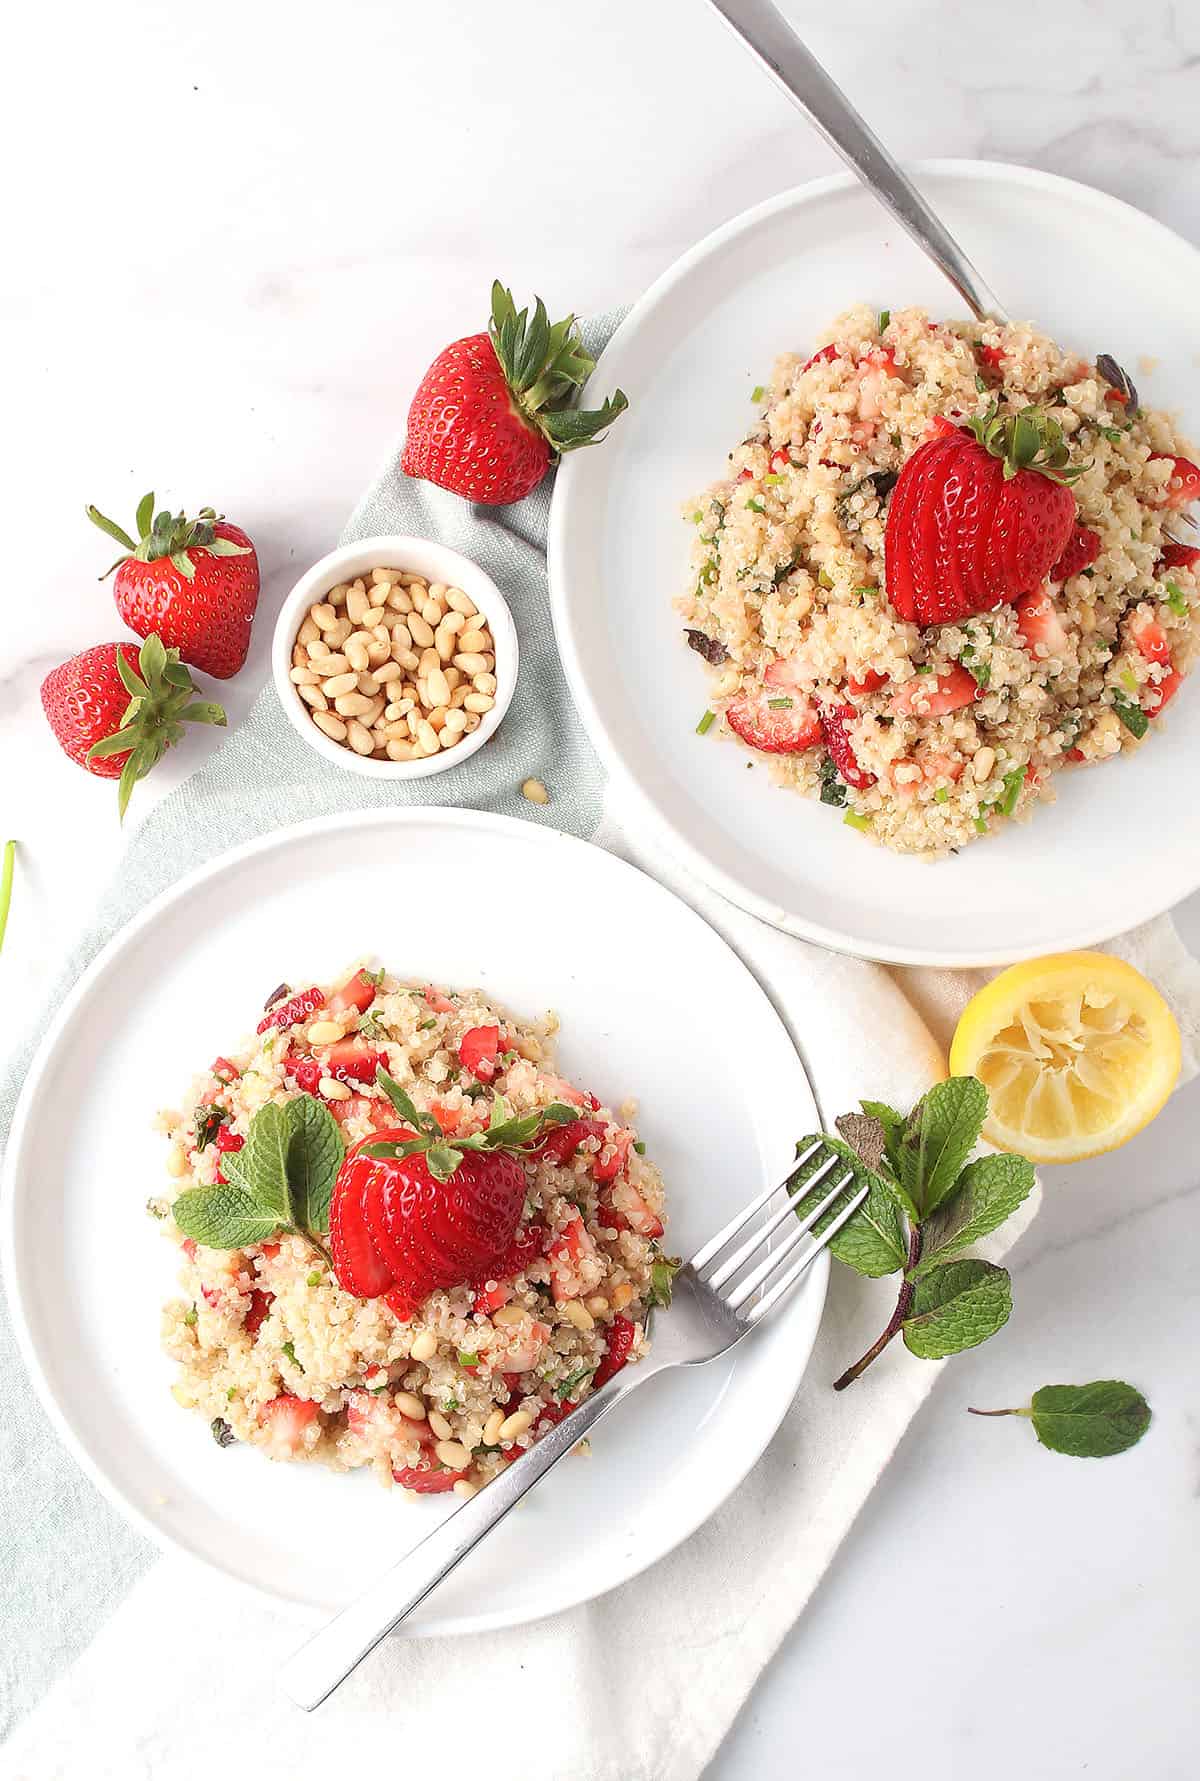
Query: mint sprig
[(926, 1203), (280, 1181), (1085, 1421), (442, 1153)]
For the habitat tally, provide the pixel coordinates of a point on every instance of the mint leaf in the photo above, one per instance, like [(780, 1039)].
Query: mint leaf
[(261, 1166), (223, 1217), (873, 1240), (1090, 1421), (955, 1306), (314, 1155), (1085, 1421), (941, 1134), (893, 1124), (988, 1191)]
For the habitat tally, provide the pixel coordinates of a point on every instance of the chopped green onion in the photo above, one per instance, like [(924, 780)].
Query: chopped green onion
[(314, 1278), (772, 480), (980, 384), (853, 820), (709, 573), (779, 704), (289, 1348), (6, 884), (824, 579), (231, 1394), (757, 393), (895, 439), (1176, 600), (755, 505), (423, 1026), (1129, 680), (696, 518), (941, 795), (885, 316), (923, 668), (706, 723), (639, 1147), (1132, 716), (981, 825), (1012, 790), (467, 1359), (190, 1317), (868, 593), (1112, 434)]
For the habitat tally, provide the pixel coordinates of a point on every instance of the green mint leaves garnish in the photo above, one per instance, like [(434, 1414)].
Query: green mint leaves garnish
[(1085, 1421), (281, 1180), (1132, 716), (1176, 600), (208, 1121), (443, 1154), (927, 1201)]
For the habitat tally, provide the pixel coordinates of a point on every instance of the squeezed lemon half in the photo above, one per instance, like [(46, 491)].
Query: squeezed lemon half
[(1077, 1052)]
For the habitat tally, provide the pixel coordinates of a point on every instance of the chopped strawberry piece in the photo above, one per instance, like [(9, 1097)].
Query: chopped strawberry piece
[(210, 1296), (306, 1072), (490, 1298), (926, 696), (357, 994), (439, 1002), (1040, 625), (621, 1335), (835, 720), (635, 1212), (269, 1251), (1076, 754), (260, 1304), (554, 1413), (870, 682), (189, 1248), (572, 1245), (526, 1355), (607, 1168), (562, 1141), (478, 1051), (823, 355), (449, 1118), (350, 1060), (295, 1009), (1161, 694), (1180, 556), (784, 725), (1151, 642), (780, 461), (745, 476), (1083, 547), (512, 1385), (225, 1071), (1184, 485), (426, 1479), (991, 355), (285, 1419)]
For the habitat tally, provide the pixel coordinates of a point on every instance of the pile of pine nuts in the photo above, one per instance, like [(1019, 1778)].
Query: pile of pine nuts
[(395, 667)]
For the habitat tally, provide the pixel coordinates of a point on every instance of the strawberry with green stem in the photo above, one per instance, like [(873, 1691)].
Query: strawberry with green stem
[(494, 410), (116, 710), (193, 582)]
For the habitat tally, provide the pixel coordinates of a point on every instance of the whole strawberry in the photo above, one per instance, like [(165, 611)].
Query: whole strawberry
[(979, 516), (493, 409), (193, 582), (116, 709)]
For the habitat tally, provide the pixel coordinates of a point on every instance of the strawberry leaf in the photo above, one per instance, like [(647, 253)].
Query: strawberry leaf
[(145, 514), (183, 562), (110, 529)]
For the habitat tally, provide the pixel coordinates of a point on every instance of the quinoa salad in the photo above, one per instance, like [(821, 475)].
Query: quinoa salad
[(301, 1341), (929, 729)]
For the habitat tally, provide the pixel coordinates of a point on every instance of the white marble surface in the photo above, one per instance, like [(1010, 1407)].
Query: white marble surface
[(244, 231)]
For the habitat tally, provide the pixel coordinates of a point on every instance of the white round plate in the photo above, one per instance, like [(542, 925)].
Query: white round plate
[(1096, 274), (652, 1004)]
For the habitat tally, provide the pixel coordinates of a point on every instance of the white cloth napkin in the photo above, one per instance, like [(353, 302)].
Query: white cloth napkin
[(642, 1684)]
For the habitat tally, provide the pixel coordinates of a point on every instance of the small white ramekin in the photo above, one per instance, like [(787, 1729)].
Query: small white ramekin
[(423, 557)]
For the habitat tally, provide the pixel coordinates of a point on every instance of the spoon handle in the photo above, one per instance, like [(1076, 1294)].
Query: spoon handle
[(762, 27)]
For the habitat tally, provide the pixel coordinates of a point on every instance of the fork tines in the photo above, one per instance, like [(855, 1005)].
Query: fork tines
[(718, 1273)]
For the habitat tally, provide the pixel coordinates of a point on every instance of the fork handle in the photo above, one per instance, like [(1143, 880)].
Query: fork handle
[(796, 70), (316, 1669)]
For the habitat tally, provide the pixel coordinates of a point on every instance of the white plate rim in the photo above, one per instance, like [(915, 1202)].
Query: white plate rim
[(1135, 909), (699, 1507)]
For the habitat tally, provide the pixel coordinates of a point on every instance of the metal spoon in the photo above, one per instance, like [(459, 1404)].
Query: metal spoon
[(765, 31)]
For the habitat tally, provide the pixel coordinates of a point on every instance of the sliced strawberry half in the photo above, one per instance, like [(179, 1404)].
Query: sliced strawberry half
[(260, 1304), (1083, 547), (621, 1335), (285, 1419), (1179, 556), (870, 682), (784, 723), (478, 1052), (1184, 485), (823, 355), (608, 1166), (562, 1141), (295, 1009), (925, 696), (1040, 625), (352, 1060), (835, 722), (356, 1261), (1151, 641), (429, 1480), (356, 994)]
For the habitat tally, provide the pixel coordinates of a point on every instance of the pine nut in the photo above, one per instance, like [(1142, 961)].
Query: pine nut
[(621, 1295), (463, 1488), (459, 694), (981, 766), (440, 1426), (398, 600), (299, 656), (324, 617), (402, 635), (473, 722), (576, 1312), (373, 617), (312, 695), (331, 726), (443, 642), (535, 791), (356, 655), (386, 576), (424, 1346), (473, 639), (356, 603), (437, 718), (332, 1090), (337, 684), (422, 633), (176, 1161), (318, 650), (407, 658), (339, 633), (427, 662), (471, 663), (410, 578), (439, 692), (479, 702), (489, 662), (453, 676), (492, 1427), (308, 632), (433, 612), (460, 602), (359, 738), (453, 1454), (427, 736), (387, 672), (351, 704), (368, 684), (302, 677), (398, 750), (333, 663), (325, 1032), (409, 1404), (337, 595), (514, 1425), (597, 1304), (374, 711), (485, 683), (508, 1316), (396, 727), (455, 724), (438, 591)]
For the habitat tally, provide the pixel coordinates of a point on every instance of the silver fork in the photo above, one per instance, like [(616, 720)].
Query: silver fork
[(729, 1286)]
